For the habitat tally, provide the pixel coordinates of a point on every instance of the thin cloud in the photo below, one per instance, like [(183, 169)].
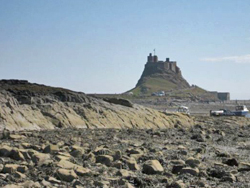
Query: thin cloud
[(233, 59)]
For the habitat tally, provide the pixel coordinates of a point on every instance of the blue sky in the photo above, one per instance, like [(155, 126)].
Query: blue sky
[(101, 46)]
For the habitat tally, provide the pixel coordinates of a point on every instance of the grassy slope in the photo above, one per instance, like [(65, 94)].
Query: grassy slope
[(154, 85)]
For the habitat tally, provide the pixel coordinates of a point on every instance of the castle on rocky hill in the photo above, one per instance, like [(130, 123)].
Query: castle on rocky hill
[(166, 76)]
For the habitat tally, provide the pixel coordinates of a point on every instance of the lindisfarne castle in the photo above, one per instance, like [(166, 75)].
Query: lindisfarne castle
[(166, 65), (166, 77)]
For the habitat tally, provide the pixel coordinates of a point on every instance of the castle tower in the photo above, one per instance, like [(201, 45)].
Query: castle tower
[(173, 66), (155, 58), (150, 58)]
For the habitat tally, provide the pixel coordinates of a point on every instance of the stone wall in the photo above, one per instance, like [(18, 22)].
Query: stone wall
[(224, 96)]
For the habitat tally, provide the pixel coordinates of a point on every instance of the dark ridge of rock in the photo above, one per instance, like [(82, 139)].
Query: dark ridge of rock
[(123, 102), (24, 91), (13, 82)]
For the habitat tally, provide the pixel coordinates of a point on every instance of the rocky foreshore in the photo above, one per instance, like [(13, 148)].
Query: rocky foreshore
[(213, 153)]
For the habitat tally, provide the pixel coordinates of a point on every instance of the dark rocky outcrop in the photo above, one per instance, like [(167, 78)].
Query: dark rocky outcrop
[(123, 102), (32, 106)]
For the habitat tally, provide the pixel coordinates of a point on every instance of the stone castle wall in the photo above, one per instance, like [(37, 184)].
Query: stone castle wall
[(165, 65)]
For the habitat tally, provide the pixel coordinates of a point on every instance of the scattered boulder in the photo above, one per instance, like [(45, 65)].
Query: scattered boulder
[(152, 167), (17, 155), (90, 157), (51, 149), (229, 177), (5, 151), (199, 137), (66, 164), (134, 151), (192, 162), (177, 168), (40, 158), (177, 162), (188, 170), (77, 151), (124, 173), (22, 168), (81, 171), (231, 162), (243, 166), (132, 164), (66, 175), (104, 159), (118, 164), (102, 151), (216, 173), (53, 180), (117, 155), (62, 156), (19, 175), (10, 168), (16, 137)]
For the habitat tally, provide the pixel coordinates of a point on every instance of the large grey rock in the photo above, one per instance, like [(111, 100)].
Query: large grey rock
[(66, 175), (53, 180), (17, 155), (41, 158), (243, 166), (152, 167), (192, 171), (117, 155), (10, 168), (132, 164), (81, 171), (5, 150), (125, 173), (192, 162), (51, 149), (19, 175), (229, 177), (77, 151), (104, 159), (66, 164), (177, 168)]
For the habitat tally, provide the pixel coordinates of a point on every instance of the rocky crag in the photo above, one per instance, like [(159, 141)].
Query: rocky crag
[(34, 107)]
